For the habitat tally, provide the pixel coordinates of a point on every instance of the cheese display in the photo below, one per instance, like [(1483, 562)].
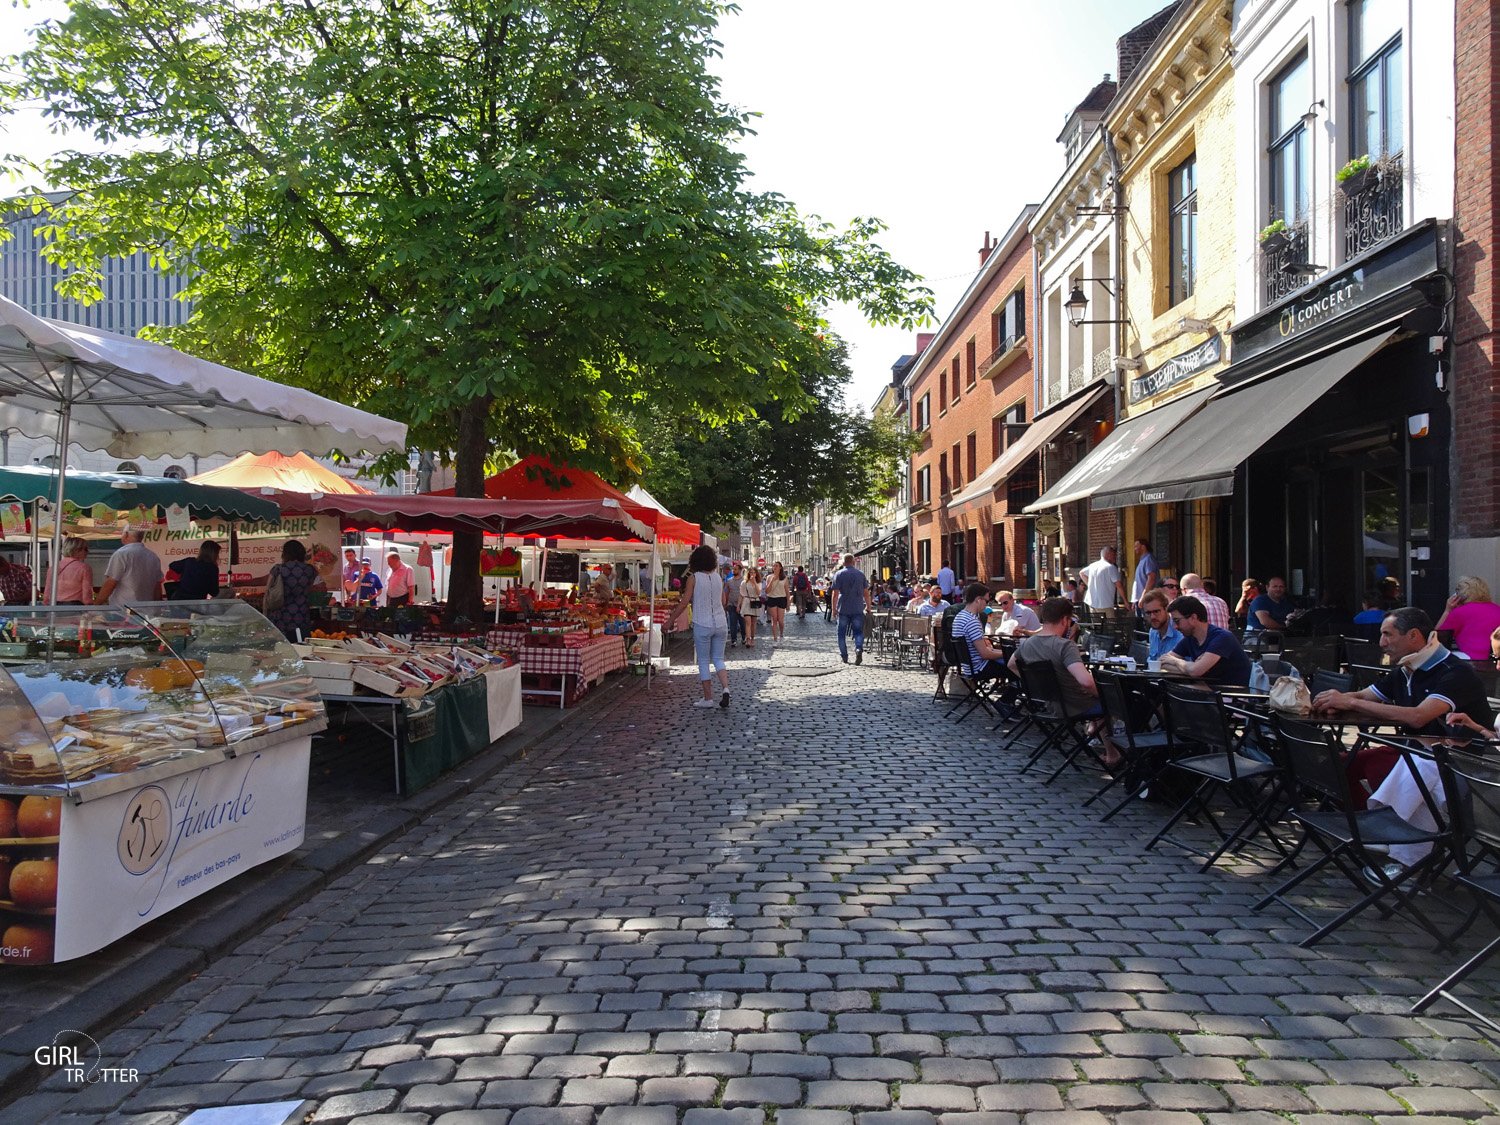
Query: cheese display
[(384, 665), (112, 690)]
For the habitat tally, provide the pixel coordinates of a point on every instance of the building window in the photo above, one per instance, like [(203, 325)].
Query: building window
[(1017, 316), (997, 328), (1016, 415), (924, 412), (942, 393), (969, 361), (1290, 95), (175, 472), (954, 369), (999, 566), (957, 463), (1376, 120), (943, 488), (924, 484), (924, 556), (997, 436), (129, 468), (973, 455), (1182, 203)]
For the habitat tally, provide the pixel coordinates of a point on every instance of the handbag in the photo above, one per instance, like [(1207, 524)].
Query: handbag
[(1289, 696), (275, 593)]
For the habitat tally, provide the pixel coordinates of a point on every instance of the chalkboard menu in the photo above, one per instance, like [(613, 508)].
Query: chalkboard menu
[(562, 569)]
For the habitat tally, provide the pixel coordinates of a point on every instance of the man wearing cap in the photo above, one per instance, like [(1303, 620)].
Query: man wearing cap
[(349, 576), (367, 586), (400, 581)]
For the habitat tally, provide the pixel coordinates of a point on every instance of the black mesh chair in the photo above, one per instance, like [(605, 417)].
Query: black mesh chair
[(1198, 720), (1140, 652), (1329, 681), (1352, 840), (1471, 782), (1358, 650), (1364, 675), (980, 689), (1144, 752), (1312, 655), (1062, 725)]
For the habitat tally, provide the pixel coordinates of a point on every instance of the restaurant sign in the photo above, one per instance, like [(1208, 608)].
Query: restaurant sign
[(1178, 369)]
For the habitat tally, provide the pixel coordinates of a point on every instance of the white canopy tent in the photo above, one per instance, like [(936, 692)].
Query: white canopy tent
[(128, 396)]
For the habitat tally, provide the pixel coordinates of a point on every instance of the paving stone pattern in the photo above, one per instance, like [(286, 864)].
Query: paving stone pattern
[(826, 905)]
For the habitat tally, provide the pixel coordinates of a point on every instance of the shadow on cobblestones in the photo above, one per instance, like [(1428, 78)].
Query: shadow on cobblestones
[(821, 905)]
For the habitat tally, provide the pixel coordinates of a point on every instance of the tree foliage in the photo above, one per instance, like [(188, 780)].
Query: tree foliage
[(781, 459), (509, 223)]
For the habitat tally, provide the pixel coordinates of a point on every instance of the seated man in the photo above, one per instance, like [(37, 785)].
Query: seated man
[(1053, 646), (1161, 635), (985, 660), (920, 598), (1205, 652), (1025, 618), (1218, 608), (934, 605), (1370, 614), (1426, 682), (1271, 609)]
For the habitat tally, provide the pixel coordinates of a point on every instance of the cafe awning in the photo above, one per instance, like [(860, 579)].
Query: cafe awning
[(1206, 448), (1126, 445), (1038, 434)]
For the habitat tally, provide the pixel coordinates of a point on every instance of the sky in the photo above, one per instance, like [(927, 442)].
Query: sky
[(938, 117)]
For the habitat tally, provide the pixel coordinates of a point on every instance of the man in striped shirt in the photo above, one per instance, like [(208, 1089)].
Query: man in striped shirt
[(1218, 608)]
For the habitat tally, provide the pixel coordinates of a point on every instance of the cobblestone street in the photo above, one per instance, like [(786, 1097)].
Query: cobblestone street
[(825, 905)]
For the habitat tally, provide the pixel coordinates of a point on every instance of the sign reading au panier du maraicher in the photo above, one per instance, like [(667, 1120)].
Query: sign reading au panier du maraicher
[(1177, 369)]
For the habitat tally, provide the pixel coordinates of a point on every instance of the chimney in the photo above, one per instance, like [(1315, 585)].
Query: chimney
[(923, 339), (984, 251)]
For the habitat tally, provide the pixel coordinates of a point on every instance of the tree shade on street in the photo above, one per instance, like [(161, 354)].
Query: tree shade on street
[(514, 225)]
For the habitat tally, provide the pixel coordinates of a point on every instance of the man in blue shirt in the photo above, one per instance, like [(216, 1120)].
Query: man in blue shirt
[(1206, 652), (947, 581), (1147, 573), (1162, 636), (1270, 610), (848, 600)]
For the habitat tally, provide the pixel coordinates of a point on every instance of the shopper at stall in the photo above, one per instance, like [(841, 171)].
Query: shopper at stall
[(367, 586), (777, 591), (288, 589), (400, 581), (16, 586), (1471, 613), (705, 595), (750, 604), (197, 578), (133, 574), (75, 578)]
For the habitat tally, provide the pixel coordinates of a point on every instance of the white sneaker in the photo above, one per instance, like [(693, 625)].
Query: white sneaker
[(704, 703)]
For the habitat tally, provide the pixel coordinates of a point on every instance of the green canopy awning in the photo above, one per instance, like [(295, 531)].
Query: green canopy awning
[(124, 491)]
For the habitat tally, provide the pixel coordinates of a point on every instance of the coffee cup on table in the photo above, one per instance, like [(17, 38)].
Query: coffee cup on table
[(1154, 665)]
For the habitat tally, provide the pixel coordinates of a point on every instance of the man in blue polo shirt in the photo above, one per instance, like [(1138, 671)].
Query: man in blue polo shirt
[(1426, 682), (1205, 652), (1271, 609)]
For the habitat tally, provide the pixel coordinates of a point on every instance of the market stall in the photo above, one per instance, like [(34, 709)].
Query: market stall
[(147, 755)]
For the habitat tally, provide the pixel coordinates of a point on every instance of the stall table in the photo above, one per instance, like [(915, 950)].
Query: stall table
[(581, 659)]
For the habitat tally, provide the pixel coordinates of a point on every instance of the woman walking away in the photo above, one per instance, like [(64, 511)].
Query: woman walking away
[(705, 595), (777, 589), (750, 604)]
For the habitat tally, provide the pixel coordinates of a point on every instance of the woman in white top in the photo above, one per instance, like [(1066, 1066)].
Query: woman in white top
[(750, 595), (776, 594), (704, 594)]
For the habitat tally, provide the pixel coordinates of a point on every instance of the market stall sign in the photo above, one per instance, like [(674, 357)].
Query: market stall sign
[(260, 543), (1178, 369)]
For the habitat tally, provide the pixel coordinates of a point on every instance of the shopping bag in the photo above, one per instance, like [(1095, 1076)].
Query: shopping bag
[(1289, 696)]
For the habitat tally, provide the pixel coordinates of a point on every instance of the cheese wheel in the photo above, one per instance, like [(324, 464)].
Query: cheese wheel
[(33, 883), (26, 944), (39, 816)]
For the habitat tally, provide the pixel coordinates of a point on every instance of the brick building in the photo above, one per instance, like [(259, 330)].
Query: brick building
[(970, 394)]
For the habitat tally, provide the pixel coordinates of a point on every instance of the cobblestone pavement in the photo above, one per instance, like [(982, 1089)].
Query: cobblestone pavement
[(826, 905)]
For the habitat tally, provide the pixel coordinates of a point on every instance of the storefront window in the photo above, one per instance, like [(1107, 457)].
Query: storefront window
[(1290, 95), (1377, 123), (1382, 526)]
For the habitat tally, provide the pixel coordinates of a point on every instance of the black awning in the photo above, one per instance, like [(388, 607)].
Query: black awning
[(1200, 456)]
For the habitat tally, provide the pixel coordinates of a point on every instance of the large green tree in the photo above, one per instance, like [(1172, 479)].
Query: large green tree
[(510, 223), (783, 458)]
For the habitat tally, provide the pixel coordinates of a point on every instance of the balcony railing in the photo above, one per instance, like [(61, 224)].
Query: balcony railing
[(1373, 206), (1281, 258), (1075, 378), (1101, 363), (1001, 357), (1054, 390)]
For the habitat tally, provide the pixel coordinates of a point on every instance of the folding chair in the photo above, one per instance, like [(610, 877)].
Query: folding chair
[(912, 639), (1351, 839), (1062, 726), (1197, 717), (1471, 782), (980, 689), (1145, 753)]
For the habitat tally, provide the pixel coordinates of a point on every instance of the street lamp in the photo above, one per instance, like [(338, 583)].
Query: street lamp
[(1077, 304)]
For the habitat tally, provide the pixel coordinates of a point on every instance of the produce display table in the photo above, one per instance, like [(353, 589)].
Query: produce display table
[(566, 672), (443, 728)]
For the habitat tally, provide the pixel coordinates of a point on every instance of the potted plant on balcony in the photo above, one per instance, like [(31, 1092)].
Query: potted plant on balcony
[(1275, 237), (1357, 175)]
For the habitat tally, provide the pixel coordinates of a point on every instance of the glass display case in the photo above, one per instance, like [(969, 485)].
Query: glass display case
[(96, 699)]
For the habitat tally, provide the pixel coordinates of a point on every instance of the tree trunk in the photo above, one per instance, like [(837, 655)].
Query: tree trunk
[(465, 586)]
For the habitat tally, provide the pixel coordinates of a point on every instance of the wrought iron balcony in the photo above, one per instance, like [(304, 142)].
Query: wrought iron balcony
[(1282, 257), (1373, 206)]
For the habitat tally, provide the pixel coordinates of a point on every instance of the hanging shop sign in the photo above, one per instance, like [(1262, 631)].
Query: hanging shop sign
[(1178, 369)]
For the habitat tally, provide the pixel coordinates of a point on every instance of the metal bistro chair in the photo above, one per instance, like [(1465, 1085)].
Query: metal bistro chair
[(1472, 784), (1062, 727), (1146, 753), (1197, 718), (1351, 839), (1140, 652), (980, 690), (1364, 675), (1329, 681), (912, 640), (1311, 655), (1358, 650)]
